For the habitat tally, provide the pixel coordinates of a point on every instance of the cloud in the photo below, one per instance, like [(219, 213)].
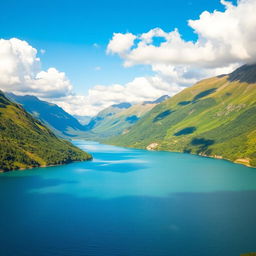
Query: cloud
[(140, 89), (50, 83), (224, 38), (120, 43), (21, 73), (18, 62), (102, 96), (187, 75)]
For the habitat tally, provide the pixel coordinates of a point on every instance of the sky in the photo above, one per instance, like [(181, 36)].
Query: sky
[(87, 55)]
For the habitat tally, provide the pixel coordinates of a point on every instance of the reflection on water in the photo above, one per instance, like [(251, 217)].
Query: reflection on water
[(129, 202)]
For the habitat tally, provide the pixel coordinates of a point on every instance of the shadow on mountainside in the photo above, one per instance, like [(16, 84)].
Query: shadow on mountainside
[(185, 131), (244, 74), (202, 143), (162, 115)]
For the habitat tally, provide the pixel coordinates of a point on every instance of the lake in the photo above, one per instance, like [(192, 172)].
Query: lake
[(129, 202)]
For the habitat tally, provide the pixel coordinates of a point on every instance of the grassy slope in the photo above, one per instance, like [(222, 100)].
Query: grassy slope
[(113, 121), (26, 142), (215, 117), (118, 123)]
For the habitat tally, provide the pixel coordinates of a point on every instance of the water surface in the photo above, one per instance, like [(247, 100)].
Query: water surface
[(129, 202)]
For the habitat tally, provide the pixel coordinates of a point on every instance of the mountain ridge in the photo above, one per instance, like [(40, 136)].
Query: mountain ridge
[(119, 118), (50, 114)]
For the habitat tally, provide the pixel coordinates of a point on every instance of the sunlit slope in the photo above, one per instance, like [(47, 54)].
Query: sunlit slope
[(215, 117), (119, 122), (119, 118), (26, 142)]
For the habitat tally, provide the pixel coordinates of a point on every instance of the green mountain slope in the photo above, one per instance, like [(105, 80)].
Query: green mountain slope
[(25, 142), (50, 114), (118, 119), (106, 114), (121, 121), (216, 117)]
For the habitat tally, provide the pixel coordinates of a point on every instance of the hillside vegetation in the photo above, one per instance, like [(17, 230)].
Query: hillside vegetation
[(112, 121), (25, 142), (216, 117), (118, 119)]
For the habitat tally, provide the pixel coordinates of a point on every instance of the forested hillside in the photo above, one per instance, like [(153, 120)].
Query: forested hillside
[(25, 142)]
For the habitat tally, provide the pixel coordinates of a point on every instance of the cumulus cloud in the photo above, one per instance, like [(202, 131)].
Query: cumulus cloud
[(224, 38), (121, 43), (50, 83), (18, 62), (20, 72), (102, 96)]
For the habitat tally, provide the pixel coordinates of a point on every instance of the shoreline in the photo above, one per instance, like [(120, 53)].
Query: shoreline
[(45, 166), (244, 163), (240, 161), (153, 147)]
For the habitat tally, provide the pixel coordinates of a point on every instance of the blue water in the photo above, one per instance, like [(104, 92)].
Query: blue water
[(129, 202)]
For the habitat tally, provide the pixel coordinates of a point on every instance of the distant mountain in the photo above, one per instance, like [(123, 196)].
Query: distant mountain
[(216, 117), (159, 100), (25, 142), (52, 115), (84, 120), (244, 74), (119, 118), (106, 114), (122, 105)]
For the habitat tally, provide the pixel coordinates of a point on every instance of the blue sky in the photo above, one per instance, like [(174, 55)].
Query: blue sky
[(68, 30), (100, 53)]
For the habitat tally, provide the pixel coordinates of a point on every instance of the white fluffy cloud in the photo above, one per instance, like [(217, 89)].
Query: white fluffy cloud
[(18, 62), (20, 72), (224, 38), (102, 96), (50, 83), (121, 43)]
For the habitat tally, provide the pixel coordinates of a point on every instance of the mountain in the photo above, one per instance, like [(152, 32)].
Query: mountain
[(216, 117), (119, 118), (50, 114), (106, 114), (158, 100), (122, 105), (25, 142), (84, 120)]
